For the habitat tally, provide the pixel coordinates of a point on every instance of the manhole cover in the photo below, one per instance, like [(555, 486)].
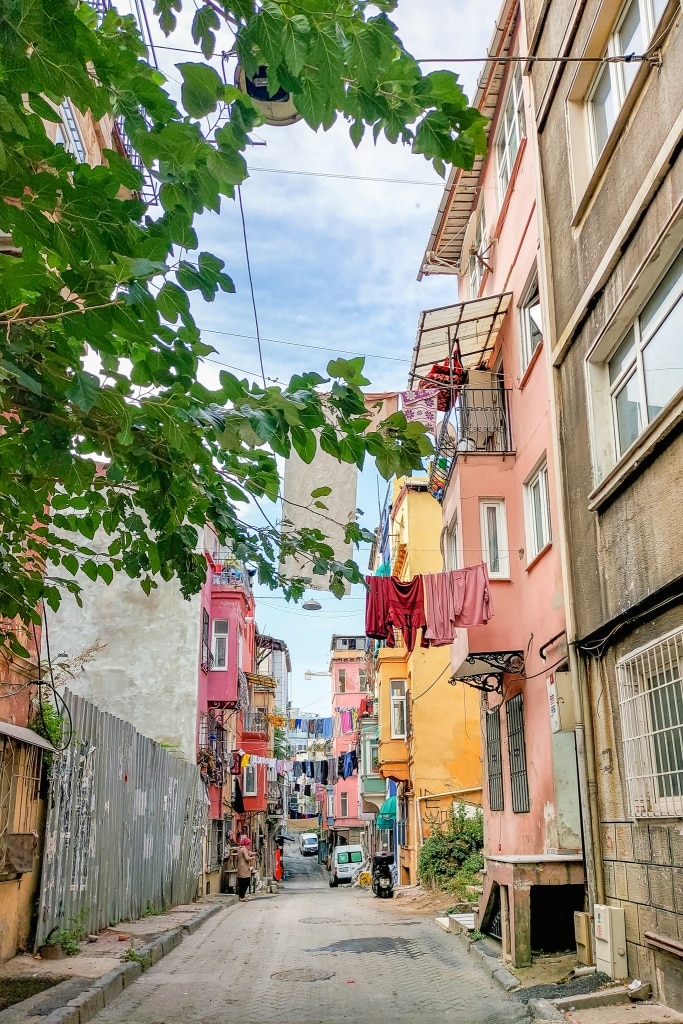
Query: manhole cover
[(375, 944), (303, 974), (319, 920)]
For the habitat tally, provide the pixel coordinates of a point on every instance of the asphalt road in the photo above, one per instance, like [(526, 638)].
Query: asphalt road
[(315, 955)]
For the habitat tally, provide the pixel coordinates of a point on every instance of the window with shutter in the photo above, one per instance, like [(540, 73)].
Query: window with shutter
[(519, 781), (494, 760), (206, 651)]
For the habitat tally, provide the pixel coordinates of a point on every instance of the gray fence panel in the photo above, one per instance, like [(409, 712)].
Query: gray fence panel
[(125, 826)]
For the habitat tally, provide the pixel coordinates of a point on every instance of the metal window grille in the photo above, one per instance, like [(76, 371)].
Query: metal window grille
[(494, 760), (207, 657), (519, 781), (212, 749), (214, 844), (650, 691), (19, 791)]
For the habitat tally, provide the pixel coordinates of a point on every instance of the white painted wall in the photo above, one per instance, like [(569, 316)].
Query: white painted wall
[(148, 672)]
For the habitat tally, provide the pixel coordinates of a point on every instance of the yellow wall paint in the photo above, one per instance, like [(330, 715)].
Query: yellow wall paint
[(443, 752)]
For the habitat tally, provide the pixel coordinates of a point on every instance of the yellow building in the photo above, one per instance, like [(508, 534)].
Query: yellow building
[(429, 736)]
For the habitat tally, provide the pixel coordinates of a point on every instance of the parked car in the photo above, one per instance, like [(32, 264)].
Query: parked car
[(345, 862), (308, 844)]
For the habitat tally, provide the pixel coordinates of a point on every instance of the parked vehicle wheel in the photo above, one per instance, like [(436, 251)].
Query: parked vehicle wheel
[(333, 883)]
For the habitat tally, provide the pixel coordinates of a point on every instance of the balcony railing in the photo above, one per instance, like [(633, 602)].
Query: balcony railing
[(211, 749), (255, 721), (479, 421)]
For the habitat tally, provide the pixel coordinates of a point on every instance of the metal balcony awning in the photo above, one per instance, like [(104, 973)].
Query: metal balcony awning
[(23, 735), (470, 326)]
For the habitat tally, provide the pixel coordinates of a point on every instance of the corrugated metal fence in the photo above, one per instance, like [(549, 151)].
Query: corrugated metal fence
[(125, 826)]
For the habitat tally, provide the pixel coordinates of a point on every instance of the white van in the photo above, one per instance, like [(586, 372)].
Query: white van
[(308, 844), (345, 862)]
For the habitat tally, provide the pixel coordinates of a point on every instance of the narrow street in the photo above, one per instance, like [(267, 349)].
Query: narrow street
[(315, 955)]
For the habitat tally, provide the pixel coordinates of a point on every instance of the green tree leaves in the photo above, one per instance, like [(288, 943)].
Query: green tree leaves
[(114, 469)]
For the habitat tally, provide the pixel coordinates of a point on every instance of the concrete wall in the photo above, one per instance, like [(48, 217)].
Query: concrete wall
[(147, 672)]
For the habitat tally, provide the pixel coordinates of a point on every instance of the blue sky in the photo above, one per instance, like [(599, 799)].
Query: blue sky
[(334, 261)]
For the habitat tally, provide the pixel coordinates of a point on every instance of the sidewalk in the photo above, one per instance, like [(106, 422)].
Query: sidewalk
[(84, 984)]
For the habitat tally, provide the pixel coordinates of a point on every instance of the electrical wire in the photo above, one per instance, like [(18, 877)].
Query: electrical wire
[(251, 284), (56, 696), (444, 669), (299, 344)]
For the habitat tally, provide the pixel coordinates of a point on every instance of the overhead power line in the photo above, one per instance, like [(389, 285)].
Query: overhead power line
[(299, 344), (251, 285)]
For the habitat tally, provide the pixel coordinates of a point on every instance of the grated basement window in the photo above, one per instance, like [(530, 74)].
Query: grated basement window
[(650, 691), (519, 781), (494, 760)]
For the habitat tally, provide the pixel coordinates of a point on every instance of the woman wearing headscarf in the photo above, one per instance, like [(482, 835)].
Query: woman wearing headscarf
[(245, 858)]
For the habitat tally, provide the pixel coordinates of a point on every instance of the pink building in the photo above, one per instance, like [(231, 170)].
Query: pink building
[(348, 670), (494, 473)]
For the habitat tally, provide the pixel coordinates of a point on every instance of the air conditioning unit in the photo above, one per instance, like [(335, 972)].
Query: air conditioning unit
[(610, 941), (583, 937)]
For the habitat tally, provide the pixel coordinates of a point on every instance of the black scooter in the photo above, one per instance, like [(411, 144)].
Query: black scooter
[(382, 882)]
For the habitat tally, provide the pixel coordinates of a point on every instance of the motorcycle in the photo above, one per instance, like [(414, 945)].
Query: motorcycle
[(382, 882)]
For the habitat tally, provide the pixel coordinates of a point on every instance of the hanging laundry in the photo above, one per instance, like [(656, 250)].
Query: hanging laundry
[(319, 727), (379, 407), (324, 772), (307, 790), (237, 800), (346, 722), (309, 769), (246, 760), (448, 377), (311, 727), (421, 407), (439, 470), (340, 766), (365, 707), (235, 762), (327, 729), (392, 604), (297, 769), (320, 793), (455, 599)]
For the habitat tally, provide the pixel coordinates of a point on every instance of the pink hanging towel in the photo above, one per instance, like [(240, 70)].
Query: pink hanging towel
[(472, 601), (439, 608)]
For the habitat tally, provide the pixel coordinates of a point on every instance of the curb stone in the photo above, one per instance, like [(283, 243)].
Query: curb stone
[(104, 990), (506, 979), (543, 1010)]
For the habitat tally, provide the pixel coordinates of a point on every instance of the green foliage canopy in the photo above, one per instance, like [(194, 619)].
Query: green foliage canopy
[(83, 264)]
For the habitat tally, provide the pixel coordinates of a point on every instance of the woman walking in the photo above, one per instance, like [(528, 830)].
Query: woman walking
[(245, 857)]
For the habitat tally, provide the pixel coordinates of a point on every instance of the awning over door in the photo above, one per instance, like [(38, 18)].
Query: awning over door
[(470, 327), (18, 732), (387, 814)]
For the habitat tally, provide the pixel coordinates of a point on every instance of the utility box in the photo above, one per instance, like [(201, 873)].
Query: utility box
[(583, 936), (561, 702), (610, 941)]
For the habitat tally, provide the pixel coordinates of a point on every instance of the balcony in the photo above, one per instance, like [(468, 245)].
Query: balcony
[(255, 722), (477, 423), (211, 750)]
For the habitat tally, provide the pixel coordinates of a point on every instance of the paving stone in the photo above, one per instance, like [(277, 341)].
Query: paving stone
[(259, 962)]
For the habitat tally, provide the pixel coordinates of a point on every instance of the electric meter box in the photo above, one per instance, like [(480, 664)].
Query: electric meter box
[(610, 941)]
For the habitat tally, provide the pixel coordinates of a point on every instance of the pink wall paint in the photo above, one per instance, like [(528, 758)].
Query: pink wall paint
[(343, 742), (528, 606)]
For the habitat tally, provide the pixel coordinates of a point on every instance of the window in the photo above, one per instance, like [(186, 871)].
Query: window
[(341, 680), (511, 131), (494, 760), (206, 652), (607, 95), (494, 543), (650, 690), (220, 643), (519, 782), (398, 709), (476, 265), (249, 784), (450, 552), (68, 133), (537, 507), (374, 758), (531, 323), (362, 680), (646, 370), (330, 805), (344, 804)]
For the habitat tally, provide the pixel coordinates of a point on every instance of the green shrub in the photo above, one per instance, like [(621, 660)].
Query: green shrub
[(453, 851)]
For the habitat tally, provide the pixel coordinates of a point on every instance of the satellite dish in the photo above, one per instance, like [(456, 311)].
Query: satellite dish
[(276, 110)]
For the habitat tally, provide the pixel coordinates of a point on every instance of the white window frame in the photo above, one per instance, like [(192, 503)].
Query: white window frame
[(249, 780), (539, 477), (72, 139), (330, 805), (397, 689), (511, 128), (652, 726), (344, 804), (363, 680), (503, 570), (216, 635), (526, 304), (606, 451), (341, 680), (451, 558), (476, 263), (621, 75)]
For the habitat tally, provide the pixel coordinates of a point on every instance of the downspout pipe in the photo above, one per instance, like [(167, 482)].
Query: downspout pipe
[(588, 785), (437, 796)]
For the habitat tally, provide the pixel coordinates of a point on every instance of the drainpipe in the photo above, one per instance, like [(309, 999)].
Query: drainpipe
[(436, 796), (588, 786)]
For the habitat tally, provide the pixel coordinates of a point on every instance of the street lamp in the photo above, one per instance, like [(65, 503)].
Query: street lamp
[(311, 605)]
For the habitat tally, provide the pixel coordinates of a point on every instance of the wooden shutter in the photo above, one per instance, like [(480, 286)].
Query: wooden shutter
[(519, 782), (494, 760)]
